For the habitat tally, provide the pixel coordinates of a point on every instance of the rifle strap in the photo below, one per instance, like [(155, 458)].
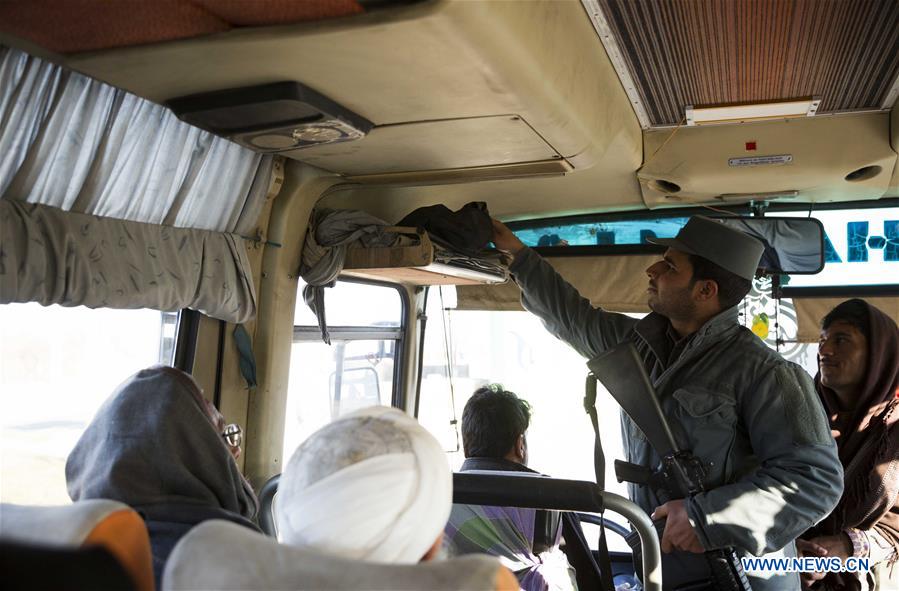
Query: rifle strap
[(599, 466)]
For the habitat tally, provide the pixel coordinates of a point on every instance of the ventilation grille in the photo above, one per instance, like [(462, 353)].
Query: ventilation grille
[(705, 52)]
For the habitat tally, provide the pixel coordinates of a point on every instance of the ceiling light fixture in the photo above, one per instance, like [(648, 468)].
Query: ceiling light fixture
[(711, 114)]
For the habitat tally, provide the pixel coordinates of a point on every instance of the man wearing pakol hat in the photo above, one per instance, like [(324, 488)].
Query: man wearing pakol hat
[(749, 415)]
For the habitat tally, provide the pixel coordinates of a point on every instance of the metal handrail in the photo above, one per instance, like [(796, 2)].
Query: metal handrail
[(652, 553), (522, 489)]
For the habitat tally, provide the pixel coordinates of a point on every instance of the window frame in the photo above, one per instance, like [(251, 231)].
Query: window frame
[(186, 331), (594, 250), (307, 334)]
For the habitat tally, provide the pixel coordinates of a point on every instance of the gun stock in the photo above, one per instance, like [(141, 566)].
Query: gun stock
[(621, 372)]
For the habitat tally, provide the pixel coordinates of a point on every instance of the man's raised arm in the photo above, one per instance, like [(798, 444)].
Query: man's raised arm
[(564, 312)]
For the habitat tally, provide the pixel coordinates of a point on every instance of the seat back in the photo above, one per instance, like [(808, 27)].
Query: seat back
[(526, 540), (113, 526), (222, 555), (92, 568), (267, 506)]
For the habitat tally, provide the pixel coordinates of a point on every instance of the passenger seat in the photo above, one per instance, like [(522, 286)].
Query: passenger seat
[(79, 534), (221, 555)]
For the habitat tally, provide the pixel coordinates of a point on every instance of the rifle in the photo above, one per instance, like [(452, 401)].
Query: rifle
[(681, 474)]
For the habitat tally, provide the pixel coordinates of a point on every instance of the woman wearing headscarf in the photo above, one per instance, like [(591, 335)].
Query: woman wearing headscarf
[(159, 446), (858, 381)]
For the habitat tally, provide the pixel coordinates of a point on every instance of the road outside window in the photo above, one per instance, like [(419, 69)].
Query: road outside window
[(57, 366)]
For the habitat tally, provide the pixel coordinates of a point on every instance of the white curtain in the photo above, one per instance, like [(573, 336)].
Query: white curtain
[(83, 147), (75, 143), (51, 256)]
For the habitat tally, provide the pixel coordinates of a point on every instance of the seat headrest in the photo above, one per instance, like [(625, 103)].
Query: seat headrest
[(64, 525), (222, 555)]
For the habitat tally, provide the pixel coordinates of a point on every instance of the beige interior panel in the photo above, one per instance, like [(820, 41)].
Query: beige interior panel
[(822, 151), (441, 60), (444, 176), (433, 145), (502, 297), (597, 189), (810, 311), (893, 190), (277, 292), (615, 283), (452, 59)]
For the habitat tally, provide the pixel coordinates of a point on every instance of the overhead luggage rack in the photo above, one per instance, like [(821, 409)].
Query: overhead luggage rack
[(419, 261)]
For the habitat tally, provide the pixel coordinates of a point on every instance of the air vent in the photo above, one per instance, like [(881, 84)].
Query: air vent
[(663, 186), (862, 174)]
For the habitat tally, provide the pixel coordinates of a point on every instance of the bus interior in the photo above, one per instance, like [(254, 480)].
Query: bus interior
[(214, 132)]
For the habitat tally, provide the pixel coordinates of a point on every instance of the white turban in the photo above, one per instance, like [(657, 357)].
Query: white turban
[(373, 485)]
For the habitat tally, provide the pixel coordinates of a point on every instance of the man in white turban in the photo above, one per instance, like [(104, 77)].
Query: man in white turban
[(373, 485)]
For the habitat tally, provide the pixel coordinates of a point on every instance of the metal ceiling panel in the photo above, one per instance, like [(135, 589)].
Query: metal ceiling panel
[(709, 52)]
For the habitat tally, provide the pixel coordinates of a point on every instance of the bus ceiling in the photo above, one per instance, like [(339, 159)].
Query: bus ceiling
[(539, 108)]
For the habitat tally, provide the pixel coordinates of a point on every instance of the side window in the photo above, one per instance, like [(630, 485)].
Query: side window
[(57, 366), (465, 350), (360, 367)]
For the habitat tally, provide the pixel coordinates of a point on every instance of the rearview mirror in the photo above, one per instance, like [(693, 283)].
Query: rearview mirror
[(354, 388), (793, 246)]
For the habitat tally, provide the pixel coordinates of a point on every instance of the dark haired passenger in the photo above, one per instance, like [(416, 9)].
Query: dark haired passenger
[(159, 446), (552, 240), (858, 381), (494, 427), (750, 416)]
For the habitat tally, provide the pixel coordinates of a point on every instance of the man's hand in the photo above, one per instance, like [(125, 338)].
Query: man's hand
[(809, 548), (504, 239), (679, 534), (838, 545)]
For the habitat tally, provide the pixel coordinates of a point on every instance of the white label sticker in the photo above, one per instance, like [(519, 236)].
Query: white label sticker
[(761, 160)]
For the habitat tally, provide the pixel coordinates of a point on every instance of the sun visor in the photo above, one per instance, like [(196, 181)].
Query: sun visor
[(614, 283), (810, 311)]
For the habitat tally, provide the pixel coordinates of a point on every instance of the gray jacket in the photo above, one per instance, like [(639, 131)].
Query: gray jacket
[(752, 416)]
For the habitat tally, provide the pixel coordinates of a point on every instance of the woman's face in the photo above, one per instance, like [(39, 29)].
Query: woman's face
[(842, 357)]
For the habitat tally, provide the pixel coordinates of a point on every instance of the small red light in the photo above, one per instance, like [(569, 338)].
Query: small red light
[(750, 146)]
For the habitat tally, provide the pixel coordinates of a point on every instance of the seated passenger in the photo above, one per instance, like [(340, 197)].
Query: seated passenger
[(372, 485), (157, 445), (494, 424), (858, 382), (552, 240)]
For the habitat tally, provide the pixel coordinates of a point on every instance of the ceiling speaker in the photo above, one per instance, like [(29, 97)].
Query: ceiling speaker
[(271, 117)]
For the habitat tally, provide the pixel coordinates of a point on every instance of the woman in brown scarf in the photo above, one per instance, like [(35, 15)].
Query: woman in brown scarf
[(858, 381)]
